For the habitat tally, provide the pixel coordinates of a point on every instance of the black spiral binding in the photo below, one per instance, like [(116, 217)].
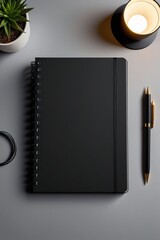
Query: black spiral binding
[(36, 79)]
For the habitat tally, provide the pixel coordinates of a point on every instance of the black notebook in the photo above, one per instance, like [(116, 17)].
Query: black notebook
[(80, 139)]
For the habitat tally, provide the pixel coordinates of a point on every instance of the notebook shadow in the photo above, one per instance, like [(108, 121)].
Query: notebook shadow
[(105, 31), (74, 198)]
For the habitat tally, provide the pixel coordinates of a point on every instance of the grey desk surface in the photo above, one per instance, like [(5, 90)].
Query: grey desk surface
[(69, 28)]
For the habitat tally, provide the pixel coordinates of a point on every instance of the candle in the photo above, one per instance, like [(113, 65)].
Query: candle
[(137, 23), (142, 17)]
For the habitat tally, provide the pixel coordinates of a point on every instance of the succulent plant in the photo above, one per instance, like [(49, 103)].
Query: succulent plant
[(12, 12)]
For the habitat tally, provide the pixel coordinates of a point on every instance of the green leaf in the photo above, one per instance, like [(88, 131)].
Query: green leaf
[(8, 7), (22, 7), (3, 23), (26, 10), (10, 3), (5, 16), (13, 5), (4, 9), (6, 30), (23, 4), (1, 13), (15, 13), (15, 25), (18, 2), (9, 29), (20, 19)]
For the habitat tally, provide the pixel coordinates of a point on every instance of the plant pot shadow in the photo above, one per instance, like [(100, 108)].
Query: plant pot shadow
[(105, 31), (3, 54)]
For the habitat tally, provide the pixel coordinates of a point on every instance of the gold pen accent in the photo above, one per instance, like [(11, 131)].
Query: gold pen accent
[(146, 178), (147, 125), (153, 114), (147, 91)]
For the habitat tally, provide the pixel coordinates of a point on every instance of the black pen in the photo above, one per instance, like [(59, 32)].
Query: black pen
[(148, 124)]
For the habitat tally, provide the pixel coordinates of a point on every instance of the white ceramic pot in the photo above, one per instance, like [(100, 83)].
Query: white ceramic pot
[(18, 43)]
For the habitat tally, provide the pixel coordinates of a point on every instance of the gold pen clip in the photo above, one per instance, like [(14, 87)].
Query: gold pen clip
[(152, 114)]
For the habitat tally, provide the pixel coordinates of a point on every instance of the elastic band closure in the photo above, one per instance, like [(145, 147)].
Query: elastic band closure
[(13, 147)]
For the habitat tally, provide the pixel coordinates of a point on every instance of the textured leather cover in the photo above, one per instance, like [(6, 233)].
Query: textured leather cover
[(80, 125)]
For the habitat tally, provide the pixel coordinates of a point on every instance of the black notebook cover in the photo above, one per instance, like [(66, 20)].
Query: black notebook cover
[(80, 125)]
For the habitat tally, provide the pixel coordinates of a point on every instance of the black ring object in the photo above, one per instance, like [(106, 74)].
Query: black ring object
[(12, 144)]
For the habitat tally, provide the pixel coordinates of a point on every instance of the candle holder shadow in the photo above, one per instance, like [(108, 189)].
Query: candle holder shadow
[(105, 31)]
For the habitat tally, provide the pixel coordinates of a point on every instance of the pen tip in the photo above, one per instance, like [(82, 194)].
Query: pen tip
[(147, 90), (146, 178)]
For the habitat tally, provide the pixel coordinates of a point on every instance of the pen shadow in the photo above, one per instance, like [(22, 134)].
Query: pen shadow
[(142, 139)]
